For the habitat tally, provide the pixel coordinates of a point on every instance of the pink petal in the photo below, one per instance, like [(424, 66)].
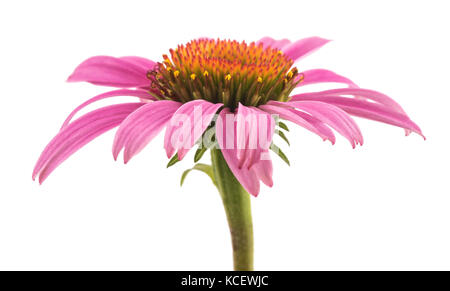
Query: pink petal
[(226, 134), (358, 93), (332, 116), (121, 92), (264, 169), (286, 112), (200, 114), (370, 110), (79, 133), (323, 76), (254, 132), (303, 47), (273, 43), (324, 131), (280, 44), (195, 116), (110, 71), (266, 42), (265, 131), (144, 63), (140, 127), (245, 122)]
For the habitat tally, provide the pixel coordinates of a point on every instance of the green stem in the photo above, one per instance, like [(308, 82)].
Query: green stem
[(236, 202)]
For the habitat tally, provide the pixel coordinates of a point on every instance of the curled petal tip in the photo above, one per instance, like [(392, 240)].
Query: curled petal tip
[(115, 154), (169, 151), (41, 179)]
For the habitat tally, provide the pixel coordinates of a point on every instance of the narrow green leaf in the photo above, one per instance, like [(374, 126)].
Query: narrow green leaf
[(280, 153), (283, 126), (202, 149), (283, 136), (173, 161), (207, 169), (199, 153)]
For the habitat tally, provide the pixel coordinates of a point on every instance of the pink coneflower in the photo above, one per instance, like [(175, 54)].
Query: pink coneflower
[(196, 89)]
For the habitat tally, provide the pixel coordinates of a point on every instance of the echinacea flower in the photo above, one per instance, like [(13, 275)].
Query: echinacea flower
[(229, 93)]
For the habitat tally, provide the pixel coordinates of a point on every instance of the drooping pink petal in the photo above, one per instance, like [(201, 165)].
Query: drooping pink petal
[(142, 94), (265, 129), (110, 71), (331, 115), (287, 113), (255, 129), (264, 169), (254, 132), (226, 138), (323, 76), (322, 128), (357, 93), (199, 115), (370, 110), (79, 133), (303, 47), (245, 122), (194, 116), (137, 130)]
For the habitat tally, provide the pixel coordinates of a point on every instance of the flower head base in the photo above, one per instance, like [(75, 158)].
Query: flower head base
[(224, 71)]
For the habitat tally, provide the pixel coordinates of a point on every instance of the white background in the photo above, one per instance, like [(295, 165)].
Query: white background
[(382, 206)]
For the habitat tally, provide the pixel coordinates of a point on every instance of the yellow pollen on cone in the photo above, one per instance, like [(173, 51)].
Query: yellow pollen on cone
[(203, 69)]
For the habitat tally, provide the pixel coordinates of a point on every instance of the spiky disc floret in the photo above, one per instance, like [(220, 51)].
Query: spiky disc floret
[(224, 71)]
